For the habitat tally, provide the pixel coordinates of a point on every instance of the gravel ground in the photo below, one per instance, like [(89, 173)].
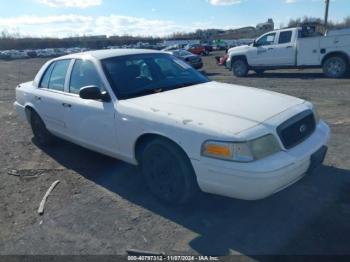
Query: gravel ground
[(102, 207)]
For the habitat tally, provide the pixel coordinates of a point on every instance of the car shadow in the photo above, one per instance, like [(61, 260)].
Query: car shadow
[(311, 217), (209, 74), (300, 75), (297, 75)]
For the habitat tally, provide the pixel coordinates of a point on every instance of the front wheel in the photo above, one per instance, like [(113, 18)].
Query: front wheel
[(168, 172), (335, 67), (240, 68)]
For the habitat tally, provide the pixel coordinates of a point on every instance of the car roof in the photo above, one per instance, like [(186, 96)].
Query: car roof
[(108, 53)]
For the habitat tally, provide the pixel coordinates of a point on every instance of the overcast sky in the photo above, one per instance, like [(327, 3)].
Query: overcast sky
[(63, 18)]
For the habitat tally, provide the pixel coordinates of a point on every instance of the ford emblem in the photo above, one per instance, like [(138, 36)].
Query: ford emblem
[(303, 128)]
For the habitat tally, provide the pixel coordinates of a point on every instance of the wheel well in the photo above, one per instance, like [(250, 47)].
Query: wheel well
[(29, 110), (238, 57), (143, 140), (333, 54)]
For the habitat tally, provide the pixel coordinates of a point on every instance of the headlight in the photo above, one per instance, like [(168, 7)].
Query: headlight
[(264, 146), (242, 151)]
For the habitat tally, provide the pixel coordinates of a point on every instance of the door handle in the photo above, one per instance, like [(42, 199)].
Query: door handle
[(66, 105), (38, 98), (289, 46)]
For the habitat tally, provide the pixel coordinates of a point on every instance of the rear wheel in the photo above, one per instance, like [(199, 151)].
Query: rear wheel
[(240, 68), (335, 67), (168, 172), (41, 134)]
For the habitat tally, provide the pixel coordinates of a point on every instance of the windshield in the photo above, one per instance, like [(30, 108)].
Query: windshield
[(139, 75)]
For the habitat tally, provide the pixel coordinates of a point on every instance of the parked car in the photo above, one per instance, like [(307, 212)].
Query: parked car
[(44, 53), (288, 48), (194, 60), (4, 55), (186, 133), (32, 53), (208, 48), (172, 48), (15, 54), (196, 49), (221, 47)]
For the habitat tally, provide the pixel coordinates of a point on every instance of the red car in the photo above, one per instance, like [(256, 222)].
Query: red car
[(196, 49)]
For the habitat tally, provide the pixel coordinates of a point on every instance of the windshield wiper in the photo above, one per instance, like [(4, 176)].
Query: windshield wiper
[(143, 92), (181, 85), (150, 91)]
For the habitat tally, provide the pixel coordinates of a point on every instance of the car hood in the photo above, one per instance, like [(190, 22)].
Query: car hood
[(238, 48), (217, 106)]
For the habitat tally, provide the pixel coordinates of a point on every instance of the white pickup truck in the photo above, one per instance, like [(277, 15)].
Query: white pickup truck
[(291, 48)]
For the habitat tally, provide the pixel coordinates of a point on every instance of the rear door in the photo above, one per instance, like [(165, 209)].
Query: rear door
[(49, 97), (285, 49), (90, 123)]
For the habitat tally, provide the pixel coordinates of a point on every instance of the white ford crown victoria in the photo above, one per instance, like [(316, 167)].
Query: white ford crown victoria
[(186, 133)]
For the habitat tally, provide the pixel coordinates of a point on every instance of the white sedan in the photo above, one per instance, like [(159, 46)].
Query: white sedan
[(185, 132)]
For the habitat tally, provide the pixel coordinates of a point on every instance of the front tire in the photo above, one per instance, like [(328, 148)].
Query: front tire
[(168, 172), (240, 68), (335, 67), (41, 134)]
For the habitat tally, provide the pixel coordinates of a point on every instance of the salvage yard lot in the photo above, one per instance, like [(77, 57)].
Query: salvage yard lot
[(102, 207)]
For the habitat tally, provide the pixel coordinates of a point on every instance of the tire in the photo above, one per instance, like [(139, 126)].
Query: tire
[(168, 172), (240, 68), (259, 71), (335, 67), (41, 135)]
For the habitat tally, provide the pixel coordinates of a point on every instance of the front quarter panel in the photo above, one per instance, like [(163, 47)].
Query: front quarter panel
[(134, 121)]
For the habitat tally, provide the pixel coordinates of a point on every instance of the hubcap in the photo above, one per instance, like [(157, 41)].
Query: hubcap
[(335, 67), (239, 68), (162, 175)]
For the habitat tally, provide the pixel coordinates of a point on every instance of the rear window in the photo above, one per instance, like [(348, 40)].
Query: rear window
[(285, 37), (44, 83), (58, 75)]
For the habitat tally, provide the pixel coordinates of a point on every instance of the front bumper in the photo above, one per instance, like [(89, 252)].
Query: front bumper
[(20, 111), (260, 179)]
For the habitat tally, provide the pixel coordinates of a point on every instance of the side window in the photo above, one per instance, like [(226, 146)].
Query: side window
[(268, 39), (44, 83), (58, 75), (84, 74), (285, 37)]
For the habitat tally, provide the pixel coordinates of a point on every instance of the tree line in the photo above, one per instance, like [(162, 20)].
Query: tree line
[(15, 41)]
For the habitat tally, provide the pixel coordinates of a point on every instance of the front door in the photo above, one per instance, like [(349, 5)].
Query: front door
[(90, 123), (264, 51)]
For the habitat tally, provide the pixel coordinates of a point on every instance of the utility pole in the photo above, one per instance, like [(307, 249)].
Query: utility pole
[(326, 14)]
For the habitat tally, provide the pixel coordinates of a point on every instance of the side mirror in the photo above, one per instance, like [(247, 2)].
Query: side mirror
[(93, 93), (255, 44)]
